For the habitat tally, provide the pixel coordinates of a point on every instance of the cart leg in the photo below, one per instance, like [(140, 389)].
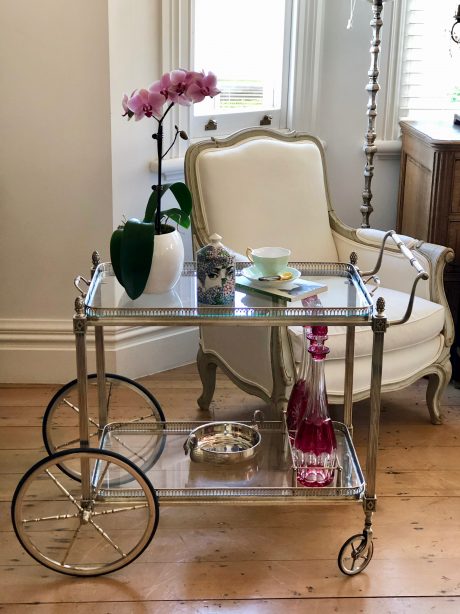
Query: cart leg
[(79, 327), (100, 359), (379, 326), (348, 388), (101, 387), (356, 553)]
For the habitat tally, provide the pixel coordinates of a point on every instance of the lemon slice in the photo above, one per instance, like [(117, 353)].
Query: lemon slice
[(286, 276)]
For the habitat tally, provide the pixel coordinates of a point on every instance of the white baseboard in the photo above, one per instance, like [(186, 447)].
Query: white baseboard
[(43, 351)]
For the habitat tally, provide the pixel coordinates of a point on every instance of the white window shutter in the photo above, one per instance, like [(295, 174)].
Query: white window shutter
[(430, 71)]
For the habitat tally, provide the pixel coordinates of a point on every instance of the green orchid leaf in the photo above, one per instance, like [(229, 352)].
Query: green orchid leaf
[(177, 216), (136, 255), (115, 252), (183, 196), (152, 202)]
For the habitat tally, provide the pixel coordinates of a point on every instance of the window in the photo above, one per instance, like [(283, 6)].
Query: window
[(430, 69), (278, 47), (247, 44)]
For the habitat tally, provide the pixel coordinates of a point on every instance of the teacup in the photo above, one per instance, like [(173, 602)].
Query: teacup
[(270, 261)]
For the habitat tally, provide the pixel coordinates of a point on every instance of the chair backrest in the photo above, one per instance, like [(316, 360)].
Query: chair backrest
[(262, 188)]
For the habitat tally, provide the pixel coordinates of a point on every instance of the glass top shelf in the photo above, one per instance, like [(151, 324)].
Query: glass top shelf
[(346, 301)]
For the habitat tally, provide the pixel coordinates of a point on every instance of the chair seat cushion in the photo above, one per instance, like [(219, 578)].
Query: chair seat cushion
[(408, 347)]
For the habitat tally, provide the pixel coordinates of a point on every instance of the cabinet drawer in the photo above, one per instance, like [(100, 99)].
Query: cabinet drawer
[(417, 189), (455, 206), (453, 236)]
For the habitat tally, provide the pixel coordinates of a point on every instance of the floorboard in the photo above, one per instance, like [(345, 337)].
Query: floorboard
[(263, 558)]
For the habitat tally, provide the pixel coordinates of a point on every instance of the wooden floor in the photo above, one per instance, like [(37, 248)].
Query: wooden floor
[(266, 559)]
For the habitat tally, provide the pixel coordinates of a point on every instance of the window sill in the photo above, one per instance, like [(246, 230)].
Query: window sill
[(171, 170), (388, 150)]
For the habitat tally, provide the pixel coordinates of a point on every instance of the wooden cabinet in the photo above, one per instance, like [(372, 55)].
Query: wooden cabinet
[(429, 198)]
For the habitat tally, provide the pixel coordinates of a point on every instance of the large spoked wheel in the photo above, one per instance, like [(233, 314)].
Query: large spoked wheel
[(126, 401), (84, 537), (355, 554)]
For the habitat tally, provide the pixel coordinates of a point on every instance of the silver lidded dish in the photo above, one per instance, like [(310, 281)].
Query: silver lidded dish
[(221, 443)]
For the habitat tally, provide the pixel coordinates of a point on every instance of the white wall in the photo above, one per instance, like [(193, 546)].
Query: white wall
[(342, 119), (55, 170), (134, 63), (70, 166)]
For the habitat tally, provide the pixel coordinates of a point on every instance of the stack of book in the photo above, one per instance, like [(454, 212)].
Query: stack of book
[(290, 291)]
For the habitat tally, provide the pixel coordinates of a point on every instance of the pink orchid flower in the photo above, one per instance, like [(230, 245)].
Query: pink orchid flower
[(179, 86), (162, 86), (144, 103), (124, 104), (177, 89), (201, 86)]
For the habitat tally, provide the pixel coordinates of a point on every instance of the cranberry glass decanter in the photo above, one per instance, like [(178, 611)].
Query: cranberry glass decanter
[(299, 393), (315, 446)]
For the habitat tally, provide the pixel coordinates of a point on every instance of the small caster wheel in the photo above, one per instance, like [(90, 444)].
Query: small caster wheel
[(355, 554)]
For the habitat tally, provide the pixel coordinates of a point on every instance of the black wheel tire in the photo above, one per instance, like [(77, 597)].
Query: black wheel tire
[(88, 452), (157, 413), (365, 546)]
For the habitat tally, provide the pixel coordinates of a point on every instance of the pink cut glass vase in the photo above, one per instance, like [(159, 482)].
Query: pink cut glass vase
[(315, 446)]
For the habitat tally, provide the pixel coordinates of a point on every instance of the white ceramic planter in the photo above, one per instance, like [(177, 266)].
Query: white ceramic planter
[(167, 263)]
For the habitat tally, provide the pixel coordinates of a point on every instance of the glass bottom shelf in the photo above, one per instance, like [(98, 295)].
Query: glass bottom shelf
[(158, 450)]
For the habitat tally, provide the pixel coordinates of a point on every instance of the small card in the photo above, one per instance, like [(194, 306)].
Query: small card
[(292, 291)]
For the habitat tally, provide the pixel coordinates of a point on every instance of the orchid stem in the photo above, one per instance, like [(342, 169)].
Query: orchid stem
[(172, 144), (160, 151), (159, 139)]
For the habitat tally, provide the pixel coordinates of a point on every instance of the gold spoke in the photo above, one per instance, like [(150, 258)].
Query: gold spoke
[(120, 509), (56, 517), (106, 537)]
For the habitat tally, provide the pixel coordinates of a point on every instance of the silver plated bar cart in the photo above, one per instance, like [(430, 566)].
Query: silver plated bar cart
[(92, 506)]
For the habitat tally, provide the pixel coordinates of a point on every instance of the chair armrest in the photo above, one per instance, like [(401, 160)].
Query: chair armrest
[(438, 256), (372, 236)]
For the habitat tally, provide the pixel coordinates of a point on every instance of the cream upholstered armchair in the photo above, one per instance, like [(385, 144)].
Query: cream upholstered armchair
[(259, 187)]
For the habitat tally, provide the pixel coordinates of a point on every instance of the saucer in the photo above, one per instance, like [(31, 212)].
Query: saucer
[(252, 273)]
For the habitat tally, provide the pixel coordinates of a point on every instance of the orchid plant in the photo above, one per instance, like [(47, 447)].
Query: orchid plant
[(132, 244)]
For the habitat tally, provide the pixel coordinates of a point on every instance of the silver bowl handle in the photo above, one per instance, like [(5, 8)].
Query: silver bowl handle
[(258, 419), (190, 443)]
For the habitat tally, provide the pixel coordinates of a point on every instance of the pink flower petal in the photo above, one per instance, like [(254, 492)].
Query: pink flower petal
[(195, 93), (177, 76), (165, 81), (210, 80), (155, 87), (184, 100), (193, 76), (136, 104), (156, 101)]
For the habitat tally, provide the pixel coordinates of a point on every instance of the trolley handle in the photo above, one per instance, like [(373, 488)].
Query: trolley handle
[(405, 251), (421, 273), (76, 282)]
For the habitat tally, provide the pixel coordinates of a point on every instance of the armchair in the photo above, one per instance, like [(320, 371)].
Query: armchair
[(259, 187)]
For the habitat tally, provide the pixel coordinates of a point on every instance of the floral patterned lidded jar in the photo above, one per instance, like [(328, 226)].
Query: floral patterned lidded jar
[(215, 272)]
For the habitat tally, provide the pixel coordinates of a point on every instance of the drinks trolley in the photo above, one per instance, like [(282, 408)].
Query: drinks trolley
[(92, 506)]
